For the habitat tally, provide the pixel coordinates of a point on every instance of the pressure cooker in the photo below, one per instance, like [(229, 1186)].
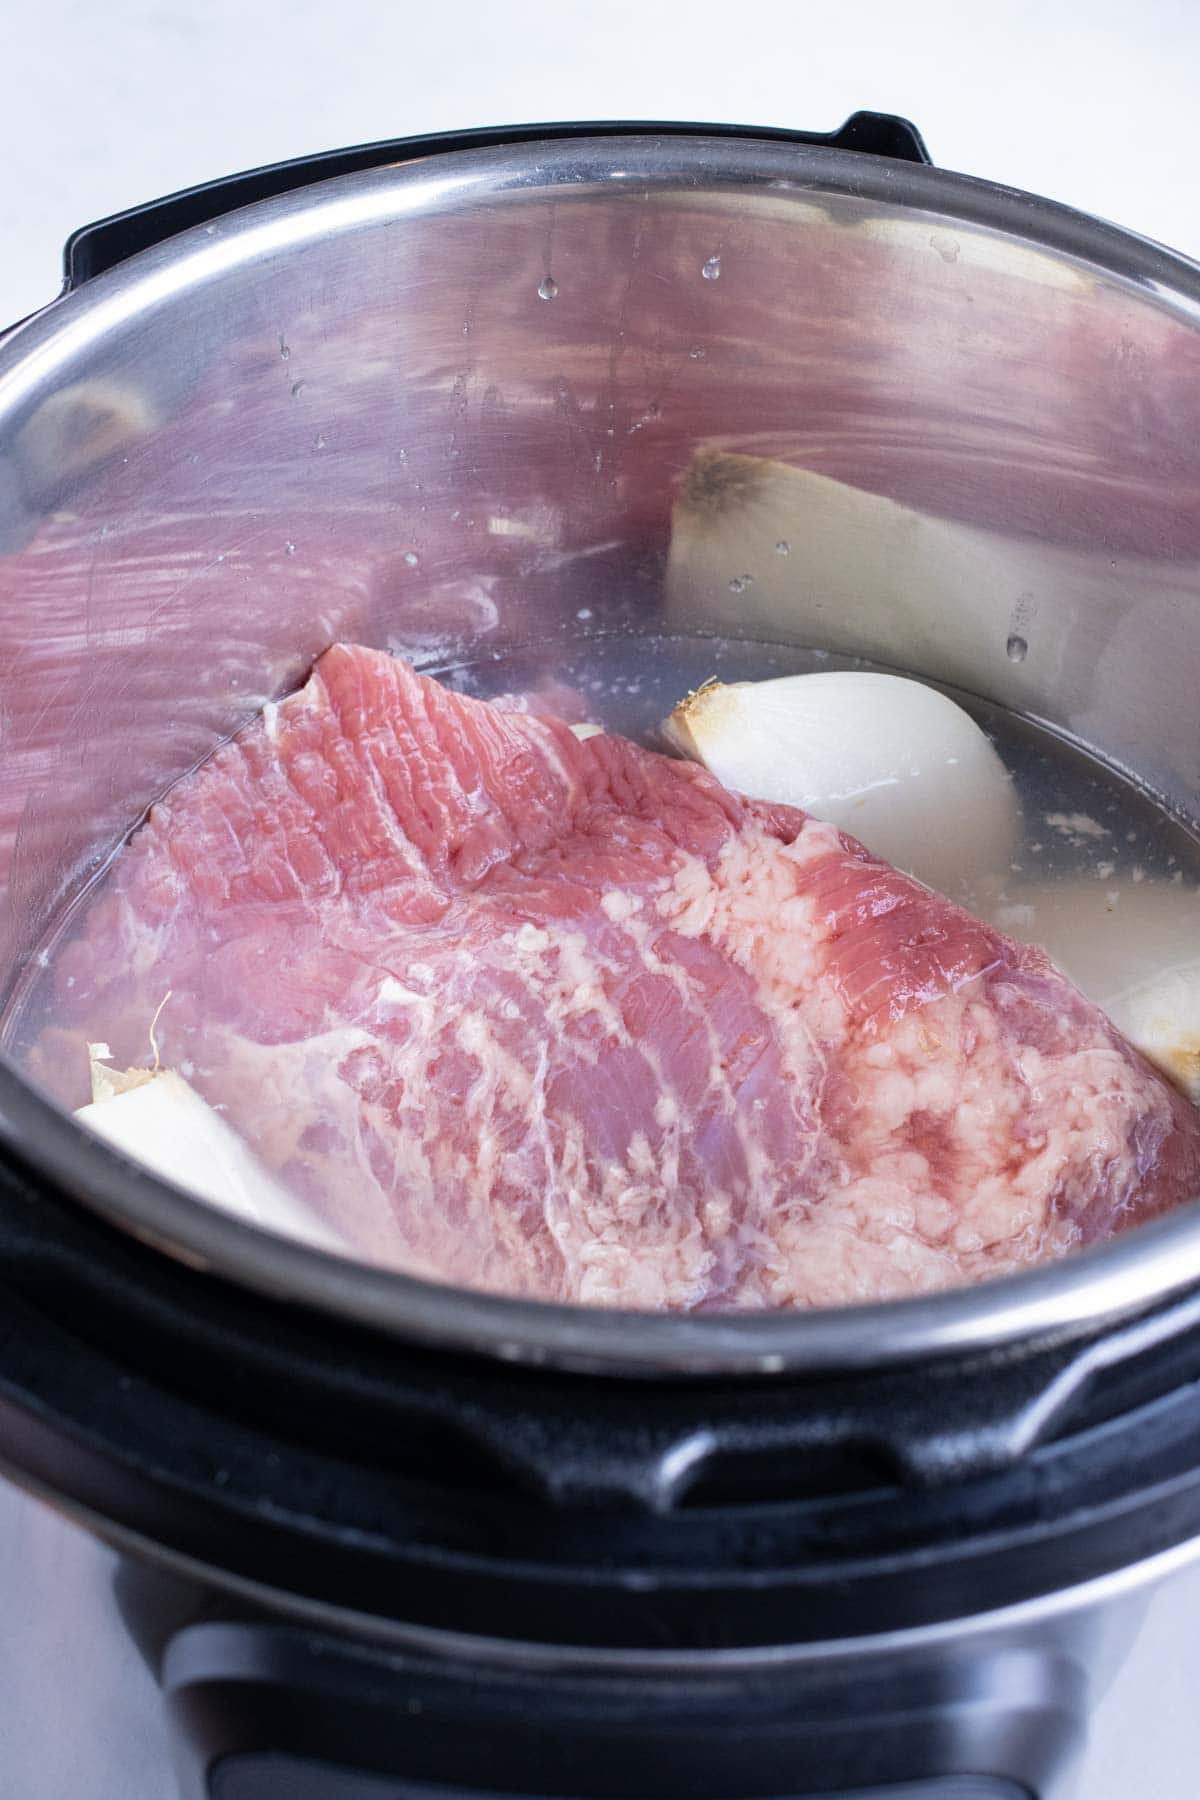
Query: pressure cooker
[(294, 1528)]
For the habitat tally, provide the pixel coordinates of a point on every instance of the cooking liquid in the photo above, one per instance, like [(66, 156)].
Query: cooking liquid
[(1080, 819), (1081, 823)]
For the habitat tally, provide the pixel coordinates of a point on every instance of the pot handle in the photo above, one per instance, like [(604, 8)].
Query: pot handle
[(94, 248)]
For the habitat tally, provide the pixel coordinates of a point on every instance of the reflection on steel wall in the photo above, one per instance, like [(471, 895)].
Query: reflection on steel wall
[(386, 407)]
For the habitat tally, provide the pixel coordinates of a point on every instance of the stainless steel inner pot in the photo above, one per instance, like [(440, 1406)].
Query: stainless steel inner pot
[(391, 406)]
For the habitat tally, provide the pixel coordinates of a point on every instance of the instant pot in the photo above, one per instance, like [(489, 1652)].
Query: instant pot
[(307, 1530)]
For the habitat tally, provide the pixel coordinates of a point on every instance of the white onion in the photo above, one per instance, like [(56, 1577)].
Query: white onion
[(1162, 1019), (764, 550), (159, 1119), (1131, 946), (891, 761)]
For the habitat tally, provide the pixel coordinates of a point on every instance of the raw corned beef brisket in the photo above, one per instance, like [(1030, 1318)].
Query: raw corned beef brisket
[(567, 1019)]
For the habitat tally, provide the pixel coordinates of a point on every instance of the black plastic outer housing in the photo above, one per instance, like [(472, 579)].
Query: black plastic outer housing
[(99, 246)]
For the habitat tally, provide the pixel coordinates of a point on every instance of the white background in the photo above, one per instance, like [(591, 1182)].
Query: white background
[(1090, 101), (107, 104)]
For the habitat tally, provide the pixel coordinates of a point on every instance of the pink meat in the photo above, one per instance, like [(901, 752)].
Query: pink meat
[(568, 1019)]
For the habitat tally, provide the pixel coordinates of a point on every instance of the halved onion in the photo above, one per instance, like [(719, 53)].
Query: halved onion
[(1133, 947), (893, 762), (155, 1116)]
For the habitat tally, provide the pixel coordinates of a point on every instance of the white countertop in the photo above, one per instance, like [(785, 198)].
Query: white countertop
[(106, 106), (1094, 105)]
